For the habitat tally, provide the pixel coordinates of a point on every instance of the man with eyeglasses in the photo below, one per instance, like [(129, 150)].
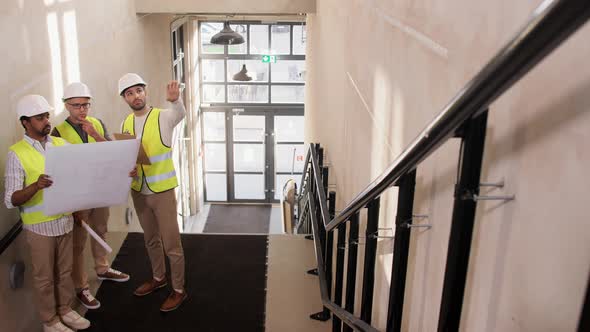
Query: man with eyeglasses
[(153, 187), (79, 128)]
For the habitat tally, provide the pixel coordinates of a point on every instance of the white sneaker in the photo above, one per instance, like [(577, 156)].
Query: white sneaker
[(58, 327), (75, 321)]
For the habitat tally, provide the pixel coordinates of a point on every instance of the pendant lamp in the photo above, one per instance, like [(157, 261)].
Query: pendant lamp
[(242, 75), (227, 36)]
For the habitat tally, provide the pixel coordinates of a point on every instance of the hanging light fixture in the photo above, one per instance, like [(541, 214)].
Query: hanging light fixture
[(227, 36), (242, 75)]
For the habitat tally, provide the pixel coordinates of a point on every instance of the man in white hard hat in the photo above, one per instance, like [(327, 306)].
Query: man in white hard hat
[(80, 128), (49, 237), (153, 187)]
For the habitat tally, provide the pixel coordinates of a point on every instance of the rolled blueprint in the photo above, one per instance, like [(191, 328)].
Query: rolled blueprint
[(96, 237)]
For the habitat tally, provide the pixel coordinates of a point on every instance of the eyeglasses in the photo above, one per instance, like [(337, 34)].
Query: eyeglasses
[(79, 106)]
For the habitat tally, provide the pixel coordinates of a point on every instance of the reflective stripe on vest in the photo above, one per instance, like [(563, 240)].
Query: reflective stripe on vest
[(67, 132), (33, 164), (160, 175)]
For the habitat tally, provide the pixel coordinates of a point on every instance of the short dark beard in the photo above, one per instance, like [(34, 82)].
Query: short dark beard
[(137, 108), (46, 130), (39, 133)]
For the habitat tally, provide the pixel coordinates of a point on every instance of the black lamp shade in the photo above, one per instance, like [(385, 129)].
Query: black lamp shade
[(242, 75), (227, 36)]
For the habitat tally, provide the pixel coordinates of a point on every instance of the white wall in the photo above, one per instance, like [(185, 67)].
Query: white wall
[(111, 40), (379, 71), (226, 6)]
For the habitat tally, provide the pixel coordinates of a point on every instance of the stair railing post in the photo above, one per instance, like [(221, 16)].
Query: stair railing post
[(369, 265), (353, 234), (401, 247), (462, 222)]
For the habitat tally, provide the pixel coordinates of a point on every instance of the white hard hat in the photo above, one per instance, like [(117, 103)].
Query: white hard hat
[(128, 80), (31, 105), (76, 89)]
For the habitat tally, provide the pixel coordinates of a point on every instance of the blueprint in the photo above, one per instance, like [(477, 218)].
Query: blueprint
[(88, 176)]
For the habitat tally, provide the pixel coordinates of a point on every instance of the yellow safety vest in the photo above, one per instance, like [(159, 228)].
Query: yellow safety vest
[(33, 163), (67, 132), (160, 175)]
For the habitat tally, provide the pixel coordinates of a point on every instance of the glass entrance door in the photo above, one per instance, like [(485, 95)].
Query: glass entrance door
[(250, 154), (289, 151), (249, 162)]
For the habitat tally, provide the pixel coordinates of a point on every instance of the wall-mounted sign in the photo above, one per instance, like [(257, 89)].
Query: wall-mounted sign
[(269, 58)]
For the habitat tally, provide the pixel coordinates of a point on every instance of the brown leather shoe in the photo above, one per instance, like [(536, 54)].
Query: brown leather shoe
[(113, 275), (173, 301), (150, 286)]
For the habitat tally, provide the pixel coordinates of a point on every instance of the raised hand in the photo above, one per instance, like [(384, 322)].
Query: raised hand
[(88, 128), (172, 91)]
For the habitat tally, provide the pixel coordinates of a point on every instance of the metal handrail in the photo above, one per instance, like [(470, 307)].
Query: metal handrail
[(345, 316), (552, 22), (10, 236), (301, 213), (319, 185), (301, 185)]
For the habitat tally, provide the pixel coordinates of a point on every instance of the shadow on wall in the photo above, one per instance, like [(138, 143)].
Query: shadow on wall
[(546, 122), (435, 183)]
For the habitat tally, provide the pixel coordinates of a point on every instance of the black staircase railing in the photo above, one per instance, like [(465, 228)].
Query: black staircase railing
[(10, 236), (465, 118)]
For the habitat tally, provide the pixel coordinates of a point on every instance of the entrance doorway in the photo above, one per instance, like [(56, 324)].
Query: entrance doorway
[(250, 154)]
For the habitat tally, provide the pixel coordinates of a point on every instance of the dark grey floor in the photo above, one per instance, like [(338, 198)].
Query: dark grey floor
[(225, 283), (238, 219)]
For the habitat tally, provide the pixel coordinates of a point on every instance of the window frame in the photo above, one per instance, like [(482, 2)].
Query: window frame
[(226, 56)]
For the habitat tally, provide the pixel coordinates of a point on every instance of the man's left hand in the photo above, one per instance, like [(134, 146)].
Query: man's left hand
[(172, 91)]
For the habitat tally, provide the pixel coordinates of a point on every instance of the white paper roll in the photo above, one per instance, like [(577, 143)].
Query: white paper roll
[(96, 237)]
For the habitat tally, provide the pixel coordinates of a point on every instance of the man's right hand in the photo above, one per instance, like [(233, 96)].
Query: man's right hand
[(173, 91), (44, 181)]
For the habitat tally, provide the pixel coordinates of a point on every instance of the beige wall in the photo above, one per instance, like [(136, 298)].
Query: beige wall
[(379, 71), (226, 6), (111, 40)]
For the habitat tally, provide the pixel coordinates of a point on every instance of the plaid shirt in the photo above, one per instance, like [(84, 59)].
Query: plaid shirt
[(14, 180)]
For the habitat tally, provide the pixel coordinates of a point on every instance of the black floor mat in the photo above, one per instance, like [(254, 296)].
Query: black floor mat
[(225, 282), (238, 219)]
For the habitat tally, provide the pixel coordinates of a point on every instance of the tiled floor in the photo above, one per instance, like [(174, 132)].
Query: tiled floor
[(292, 294)]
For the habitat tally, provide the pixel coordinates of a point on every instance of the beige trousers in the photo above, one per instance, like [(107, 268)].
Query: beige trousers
[(51, 259), (97, 219), (158, 218)]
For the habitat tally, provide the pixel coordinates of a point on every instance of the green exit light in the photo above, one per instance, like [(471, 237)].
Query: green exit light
[(269, 58)]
